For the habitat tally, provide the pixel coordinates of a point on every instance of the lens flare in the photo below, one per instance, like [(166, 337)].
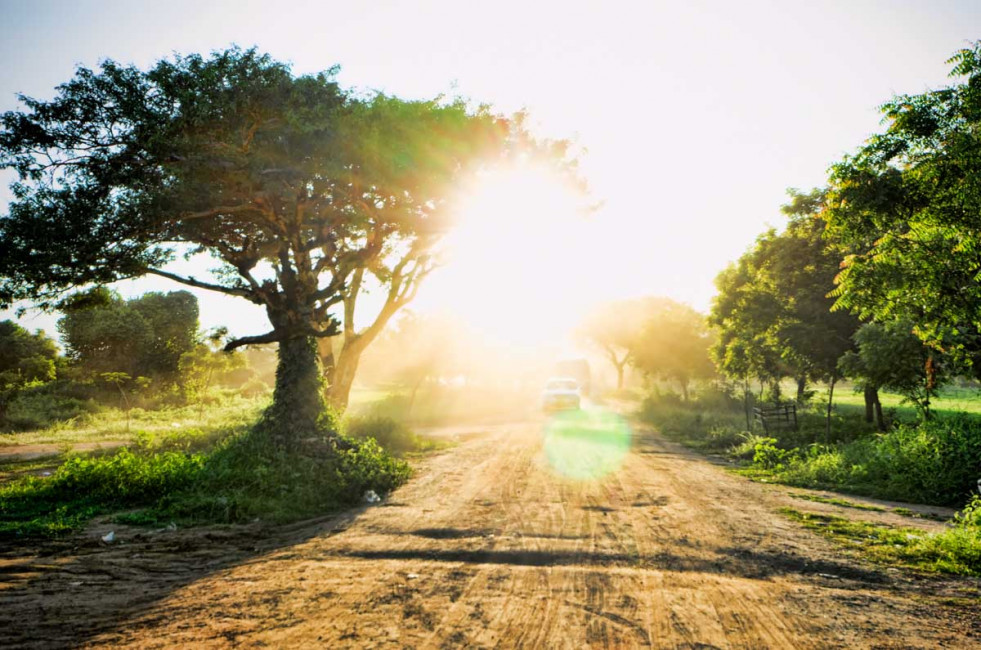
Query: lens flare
[(586, 444)]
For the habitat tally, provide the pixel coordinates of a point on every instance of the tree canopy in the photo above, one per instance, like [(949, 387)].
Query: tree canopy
[(615, 329), (674, 345), (905, 207), (25, 357), (295, 187), (141, 337), (773, 307)]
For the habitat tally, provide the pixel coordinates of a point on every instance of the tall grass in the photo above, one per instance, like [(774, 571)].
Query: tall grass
[(936, 462), (196, 478)]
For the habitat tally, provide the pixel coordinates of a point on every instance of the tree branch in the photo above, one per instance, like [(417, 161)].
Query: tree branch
[(268, 337), (191, 282)]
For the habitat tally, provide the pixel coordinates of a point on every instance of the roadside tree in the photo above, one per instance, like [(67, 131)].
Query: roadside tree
[(891, 356), (141, 337), (25, 357), (295, 187), (674, 345), (906, 206), (615, 329)]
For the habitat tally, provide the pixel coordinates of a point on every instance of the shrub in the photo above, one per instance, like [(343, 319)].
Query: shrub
[(934, 462), (243, 477), (40, 408), (393, 436), (84, 487), (768, 456), (692, 426)]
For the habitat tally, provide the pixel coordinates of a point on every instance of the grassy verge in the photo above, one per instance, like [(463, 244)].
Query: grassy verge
[(956, 550), (835, 501), (936, 462), (229, 473), (394, 437), (115, 424)]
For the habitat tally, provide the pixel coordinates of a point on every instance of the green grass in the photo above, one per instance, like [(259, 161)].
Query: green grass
[(952, 399), (956, 550), (935, 462), (394, 437), (228, 473), (111, 423), (835, 501), (906, 512)]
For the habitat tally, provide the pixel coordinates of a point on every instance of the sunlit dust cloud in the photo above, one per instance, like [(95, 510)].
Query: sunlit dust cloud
[(586, 444)]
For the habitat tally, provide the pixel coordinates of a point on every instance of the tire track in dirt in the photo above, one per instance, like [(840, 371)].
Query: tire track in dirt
[(489, 546)]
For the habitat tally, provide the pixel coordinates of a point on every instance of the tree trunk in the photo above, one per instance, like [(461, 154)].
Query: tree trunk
[(801, 387), (620, 376), (880, 422), (930, 385), (412, 395), (342, 377), (869, 393), (746, 405), (684, 389), (298, 410), (831, 396)]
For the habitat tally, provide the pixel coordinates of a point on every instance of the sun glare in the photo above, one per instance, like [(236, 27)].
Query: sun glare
[(516, 258)]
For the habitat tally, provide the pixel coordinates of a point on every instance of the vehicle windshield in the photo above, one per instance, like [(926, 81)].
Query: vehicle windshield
[(562, 384)]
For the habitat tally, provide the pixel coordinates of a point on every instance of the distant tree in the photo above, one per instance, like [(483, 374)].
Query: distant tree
[(890, 356), (744, 314), (25, 357), (775, 303), (674, 345), (141, 337), (906, 205), (417, 349), (296, 187), (615, 328), (173, 321), (205, 363)]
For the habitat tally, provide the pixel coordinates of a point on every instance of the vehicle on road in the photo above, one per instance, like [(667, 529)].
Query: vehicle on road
[(577, 369), (561, 393)]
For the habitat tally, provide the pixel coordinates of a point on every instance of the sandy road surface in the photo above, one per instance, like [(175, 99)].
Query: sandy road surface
[(491, 546)]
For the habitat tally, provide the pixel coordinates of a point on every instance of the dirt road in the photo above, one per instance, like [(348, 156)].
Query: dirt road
[(510, 539)]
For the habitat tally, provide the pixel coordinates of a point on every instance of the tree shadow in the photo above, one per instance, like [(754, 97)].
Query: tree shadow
[(738, 562), (64, 593)]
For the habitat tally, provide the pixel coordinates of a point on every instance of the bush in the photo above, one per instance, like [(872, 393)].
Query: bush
[(84, 487), (768, 456), (393, 436), (248, 476), (243, 477), (959, 546), (692, 425), (41, 407), (936, 462)]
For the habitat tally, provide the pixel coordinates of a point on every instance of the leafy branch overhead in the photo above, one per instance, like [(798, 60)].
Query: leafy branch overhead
[(295, 187)]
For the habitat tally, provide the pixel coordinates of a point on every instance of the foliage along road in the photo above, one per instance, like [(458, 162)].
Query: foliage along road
[(581, 533)]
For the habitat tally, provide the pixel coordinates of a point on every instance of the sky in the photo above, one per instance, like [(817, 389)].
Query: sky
[(694, 118)]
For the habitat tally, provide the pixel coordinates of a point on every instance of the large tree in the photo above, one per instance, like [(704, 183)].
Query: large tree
[(615, 329), (289, 183), (25, 357), (889, 355), (775, 304), (773, 308), (907, 205), (142, 337), (673, 345)]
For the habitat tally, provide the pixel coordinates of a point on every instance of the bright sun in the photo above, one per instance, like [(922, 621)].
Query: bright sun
[(517, 258)]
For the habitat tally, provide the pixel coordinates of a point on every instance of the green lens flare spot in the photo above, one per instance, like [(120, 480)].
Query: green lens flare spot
[(586, 444)]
